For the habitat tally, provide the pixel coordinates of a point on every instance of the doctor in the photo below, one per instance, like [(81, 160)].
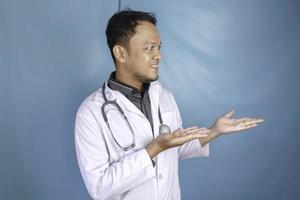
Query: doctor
[(128, 134)]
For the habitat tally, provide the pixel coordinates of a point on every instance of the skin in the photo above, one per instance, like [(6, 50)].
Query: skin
[(137, 63)]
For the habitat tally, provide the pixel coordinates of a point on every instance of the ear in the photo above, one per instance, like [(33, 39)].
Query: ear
[(120, 53)]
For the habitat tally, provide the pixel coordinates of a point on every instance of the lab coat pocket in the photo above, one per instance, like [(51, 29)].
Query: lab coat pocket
[(169, 118), (176, 193)]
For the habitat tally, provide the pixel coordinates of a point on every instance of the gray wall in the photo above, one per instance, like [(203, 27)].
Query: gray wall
[(216, 55)]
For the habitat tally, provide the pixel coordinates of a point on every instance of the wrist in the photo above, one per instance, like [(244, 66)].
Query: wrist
[(214, 133), (153, 149)]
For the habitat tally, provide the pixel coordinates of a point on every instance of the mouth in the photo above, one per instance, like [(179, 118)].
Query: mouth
[(154, 65)]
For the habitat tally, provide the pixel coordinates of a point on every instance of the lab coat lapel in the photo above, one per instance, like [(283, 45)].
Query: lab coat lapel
[(154, 92), (125, 103)]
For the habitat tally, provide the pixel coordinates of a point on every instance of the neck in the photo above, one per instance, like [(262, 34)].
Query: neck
[(129, 80)]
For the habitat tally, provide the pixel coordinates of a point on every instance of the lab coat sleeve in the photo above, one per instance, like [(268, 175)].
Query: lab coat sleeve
[(192, 148), (104, 180)]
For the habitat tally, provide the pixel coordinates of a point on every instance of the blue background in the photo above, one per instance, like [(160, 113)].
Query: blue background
[(216, 55)]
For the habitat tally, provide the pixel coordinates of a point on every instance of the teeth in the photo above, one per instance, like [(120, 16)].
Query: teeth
[(155, 66)]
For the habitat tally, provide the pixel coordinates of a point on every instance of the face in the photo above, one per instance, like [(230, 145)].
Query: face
[(144, 53)]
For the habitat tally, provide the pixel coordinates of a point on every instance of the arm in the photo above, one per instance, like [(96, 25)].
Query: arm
[(102, 179)]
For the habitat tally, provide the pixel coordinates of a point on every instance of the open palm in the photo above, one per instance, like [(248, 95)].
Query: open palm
[(226, 124), (180, 136)]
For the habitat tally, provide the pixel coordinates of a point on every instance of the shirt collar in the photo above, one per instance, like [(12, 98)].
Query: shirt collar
[(124, 88)]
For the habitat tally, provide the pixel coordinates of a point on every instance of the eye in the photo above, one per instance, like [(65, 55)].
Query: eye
[(153, 47), (150, 48)]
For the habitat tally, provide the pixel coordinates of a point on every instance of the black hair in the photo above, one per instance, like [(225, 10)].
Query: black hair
[(121, 27)]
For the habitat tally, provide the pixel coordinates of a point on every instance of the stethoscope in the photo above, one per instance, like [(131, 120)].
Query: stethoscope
[(163, 128)]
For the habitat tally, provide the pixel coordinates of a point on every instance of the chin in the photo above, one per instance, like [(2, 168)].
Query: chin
[(147, 79), (153, 79)]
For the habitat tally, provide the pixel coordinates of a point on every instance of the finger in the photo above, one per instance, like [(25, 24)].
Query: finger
[(201, 135), (247, 127), (190, 128), (250, 126), (244, 119), (252, 121), (192, 136), (203, 129), (184, 132), (229, 114), (198, 133), (259, 120), (247, 119), (178, 132)]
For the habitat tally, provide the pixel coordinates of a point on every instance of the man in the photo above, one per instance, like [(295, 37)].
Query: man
[(135, 155)]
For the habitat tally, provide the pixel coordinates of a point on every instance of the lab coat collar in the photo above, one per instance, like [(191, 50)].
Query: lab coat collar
[(154, 91)]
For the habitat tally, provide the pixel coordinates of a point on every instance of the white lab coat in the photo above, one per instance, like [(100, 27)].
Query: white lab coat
[(111, 173)]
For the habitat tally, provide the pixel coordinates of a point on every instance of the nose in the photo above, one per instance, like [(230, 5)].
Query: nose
[(156, 55)]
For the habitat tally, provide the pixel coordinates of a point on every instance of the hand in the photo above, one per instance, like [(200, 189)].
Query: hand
[(180, 136), (226, 125), (176, 138)]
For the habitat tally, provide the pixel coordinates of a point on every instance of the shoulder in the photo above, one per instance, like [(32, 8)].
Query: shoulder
[(164, 92), (92, 102), (166, 97)]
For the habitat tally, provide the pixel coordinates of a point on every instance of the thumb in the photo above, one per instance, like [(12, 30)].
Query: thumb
[(229, 114)]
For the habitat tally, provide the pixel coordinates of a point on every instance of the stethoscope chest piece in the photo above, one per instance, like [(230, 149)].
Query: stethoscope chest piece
[(164, 129)]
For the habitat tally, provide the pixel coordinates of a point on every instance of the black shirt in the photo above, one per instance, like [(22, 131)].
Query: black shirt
[(140, 99)]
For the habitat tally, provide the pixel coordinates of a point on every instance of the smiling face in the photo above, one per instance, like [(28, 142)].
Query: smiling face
[(143, 54)]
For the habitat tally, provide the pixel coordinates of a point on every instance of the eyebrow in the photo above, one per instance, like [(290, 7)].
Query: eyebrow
[(148, 42)]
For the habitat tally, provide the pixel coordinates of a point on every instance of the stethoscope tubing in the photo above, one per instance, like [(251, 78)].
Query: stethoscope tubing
[(162, 129)]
